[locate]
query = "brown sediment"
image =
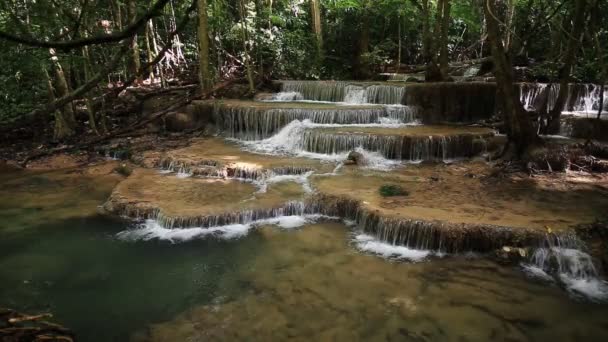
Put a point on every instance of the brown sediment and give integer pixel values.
(313, 276)
(470, 193)
(56, 195)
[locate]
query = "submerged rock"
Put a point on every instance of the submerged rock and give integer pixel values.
(263, 97)
(512, 255)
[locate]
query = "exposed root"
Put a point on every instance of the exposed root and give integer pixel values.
(18, 327)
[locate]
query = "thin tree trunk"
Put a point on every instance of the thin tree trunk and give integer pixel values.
(88, 72)
(133, 62)
(149, 53)
(203, 46)
(159, 66)
(517, 122)
(315, 12)
(426, 32)
(574, 42)
(443, 50)
(599, 111)
(245, 38)
(399, 43)
(361, 64)
(88, 102)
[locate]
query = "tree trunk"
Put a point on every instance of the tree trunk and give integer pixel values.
(61, 129)
(159, 66)
(509, 24)
(62, 88)
(245, 38)
(434, 72)
(426, 32)
(133, 62)
(574, 42)
(203, 47)
(443, 50)
(517, 122)
(149, 53)
(88, 101)
(361, 63)
(398, 44)
(315, 12)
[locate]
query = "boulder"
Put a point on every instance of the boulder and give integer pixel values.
(355, 158)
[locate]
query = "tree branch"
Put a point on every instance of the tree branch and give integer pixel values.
(83, 89)
(161, 54)
(128, 32)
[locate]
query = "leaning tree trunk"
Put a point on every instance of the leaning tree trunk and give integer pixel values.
(203, 47)
(517, 122)
(61, 129)
(62, 88)
(574, 42)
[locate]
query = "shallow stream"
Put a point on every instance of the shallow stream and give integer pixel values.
(304, 281)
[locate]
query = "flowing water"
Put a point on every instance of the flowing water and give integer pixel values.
(290, 277)
(583, 99)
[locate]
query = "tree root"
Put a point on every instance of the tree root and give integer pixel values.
(17, 327)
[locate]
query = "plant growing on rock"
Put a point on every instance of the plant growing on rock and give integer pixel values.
(390, 190)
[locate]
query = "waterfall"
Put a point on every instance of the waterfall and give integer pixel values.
(356, 93)
(410, 148)
(316, 90)
(582, 98)
(253, 123)
(562, 259)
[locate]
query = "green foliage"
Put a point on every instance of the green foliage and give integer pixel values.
(390, 190)
(20, 77)
(124, 170)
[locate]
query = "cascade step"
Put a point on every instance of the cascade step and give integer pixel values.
(346, 91)
(198, 202)
(251, 120)
(415, 143)
(215, 157)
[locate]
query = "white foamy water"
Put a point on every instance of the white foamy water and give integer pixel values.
(303, 180)
(369, 244)
(569, 267)
(288, 141)
(287, 96)
(151, 229)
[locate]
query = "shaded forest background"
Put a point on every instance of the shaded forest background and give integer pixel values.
(65, 62)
